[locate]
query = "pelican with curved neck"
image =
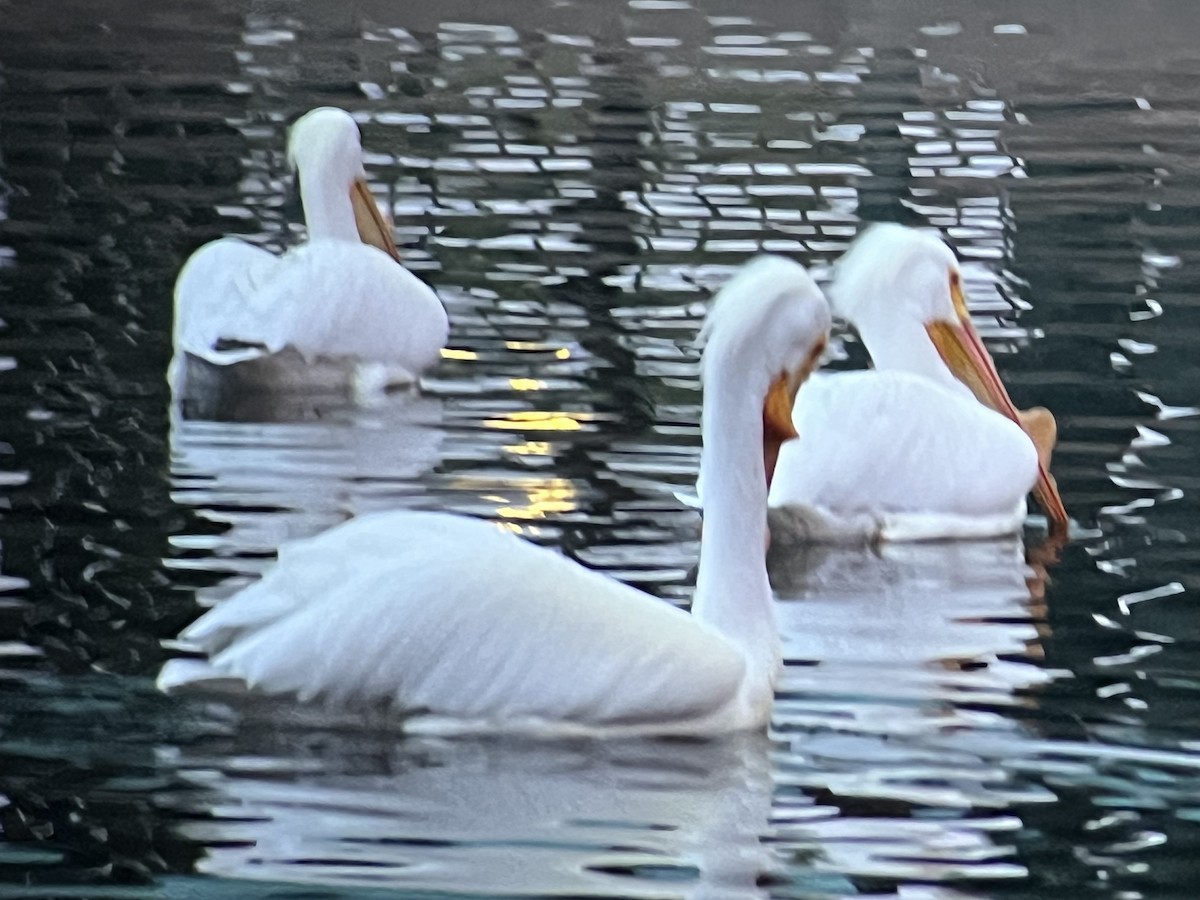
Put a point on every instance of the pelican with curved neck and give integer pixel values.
(341, 297)
(457, 619)
(929, 444)
(324, 150)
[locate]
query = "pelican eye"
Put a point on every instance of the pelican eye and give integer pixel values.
(957, 297)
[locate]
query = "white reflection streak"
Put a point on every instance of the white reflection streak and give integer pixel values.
(904, 643)
(272, 481)
(512, 817)
(923, 622)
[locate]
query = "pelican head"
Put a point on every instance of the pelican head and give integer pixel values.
(325, 149)
(892, 266)
(327, 138)
(894, 278)
(772, 321)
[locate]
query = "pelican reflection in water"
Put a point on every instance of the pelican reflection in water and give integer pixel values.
(503, 815)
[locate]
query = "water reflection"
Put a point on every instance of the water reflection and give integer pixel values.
(893, 653)
(946, 619)
(626, 819)
(573, 178)
(256, 484)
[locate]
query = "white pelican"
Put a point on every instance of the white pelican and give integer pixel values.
(429, 612)
(928, 444)
(340, 297)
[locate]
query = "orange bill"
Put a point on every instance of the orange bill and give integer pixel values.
(963, 351)
(778, 425)
(777, 421)
(373, 226)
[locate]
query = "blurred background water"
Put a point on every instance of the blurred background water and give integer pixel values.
(971, 721)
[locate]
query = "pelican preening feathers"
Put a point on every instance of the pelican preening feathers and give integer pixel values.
(450, 616)
(342, 297)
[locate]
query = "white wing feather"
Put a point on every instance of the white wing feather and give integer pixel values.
(454, 616)
(215, 301)
(881, 446)
(324, 298)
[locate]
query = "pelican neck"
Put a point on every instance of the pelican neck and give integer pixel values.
(898, 343)
(328, 211)
(733, 595)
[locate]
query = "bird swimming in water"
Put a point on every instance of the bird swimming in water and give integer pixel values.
(455, 618)
(925, 445)
(338, 301)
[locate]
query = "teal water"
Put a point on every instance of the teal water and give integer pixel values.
(973, 721)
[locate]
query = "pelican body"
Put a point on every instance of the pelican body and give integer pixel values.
(337, 300)
(927, 444)
(449, 616)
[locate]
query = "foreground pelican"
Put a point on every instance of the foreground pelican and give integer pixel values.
(342, 296)
(928, 444)
(435, 613)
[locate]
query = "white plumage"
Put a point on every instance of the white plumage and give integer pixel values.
(895, 456)
(429, 612)
(340, 296)
(479, 618)
(906, 451)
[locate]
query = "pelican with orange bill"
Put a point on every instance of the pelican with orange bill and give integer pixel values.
(927, 444)
(333, 305)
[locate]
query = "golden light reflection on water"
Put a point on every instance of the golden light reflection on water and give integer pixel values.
(536, 346)
(535, 420)
(528, 531)
(448, 353)
(529, 448)
(556, 496)
(542, 498)
(526, 384)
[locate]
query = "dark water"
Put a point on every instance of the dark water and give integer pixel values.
(972, 721)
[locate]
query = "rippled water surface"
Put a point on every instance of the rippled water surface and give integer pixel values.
(969, 721)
